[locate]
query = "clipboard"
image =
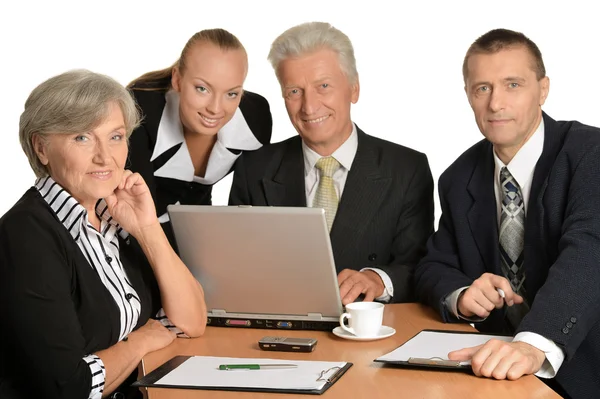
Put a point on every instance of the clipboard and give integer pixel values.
(153, 380)
(430, 348)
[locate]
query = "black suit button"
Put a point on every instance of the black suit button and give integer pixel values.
(372, 257)
(569, 324)
(128, 296)
(565, 330)
(573, 320)
(108, 259)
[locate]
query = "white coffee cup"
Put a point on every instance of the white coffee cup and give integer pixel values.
(364, 318)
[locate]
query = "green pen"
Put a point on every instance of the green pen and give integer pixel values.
(256, 366)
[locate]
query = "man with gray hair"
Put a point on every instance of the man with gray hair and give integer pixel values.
(377, 195)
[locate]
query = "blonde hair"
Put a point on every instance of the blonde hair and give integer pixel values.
(310, 37)
(72, 102)
(219, 37)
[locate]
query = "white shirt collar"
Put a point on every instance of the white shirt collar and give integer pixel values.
(236, 134)
(344, 154)
(522, 165)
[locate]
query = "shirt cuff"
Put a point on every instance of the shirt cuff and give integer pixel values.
(554, 355)
(98, 375)
(388, 290)
(164, 320)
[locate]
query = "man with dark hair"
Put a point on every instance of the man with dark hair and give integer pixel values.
(517, 249)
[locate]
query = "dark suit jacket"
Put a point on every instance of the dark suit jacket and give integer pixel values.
(385, 214)
(561, 251)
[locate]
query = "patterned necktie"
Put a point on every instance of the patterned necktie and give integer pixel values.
(511, 235)
(325, 197)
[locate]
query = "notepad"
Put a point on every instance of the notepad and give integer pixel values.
(202, 372)
(431, 348)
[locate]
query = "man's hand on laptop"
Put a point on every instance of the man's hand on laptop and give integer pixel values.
(353, 283)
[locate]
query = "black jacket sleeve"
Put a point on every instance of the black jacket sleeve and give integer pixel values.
(41, 335)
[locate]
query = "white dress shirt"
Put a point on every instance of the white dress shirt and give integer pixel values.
(521, 167)
(345, 156)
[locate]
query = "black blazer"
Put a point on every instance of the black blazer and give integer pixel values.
(385, 214)
(561, 251)
(150, 98)
(55, 308)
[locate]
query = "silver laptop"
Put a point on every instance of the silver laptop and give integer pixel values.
(260, 267)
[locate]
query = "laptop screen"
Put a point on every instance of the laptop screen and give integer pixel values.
(259, 260)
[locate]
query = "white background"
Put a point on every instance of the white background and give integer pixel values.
(409, 57)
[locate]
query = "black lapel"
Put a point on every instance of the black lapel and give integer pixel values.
(366, 187)
(552, 144)
(483, 214)
(553, 139)
(163, 158)
(285, 185)
(152, 103)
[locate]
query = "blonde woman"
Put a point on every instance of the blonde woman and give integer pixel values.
(197, 120)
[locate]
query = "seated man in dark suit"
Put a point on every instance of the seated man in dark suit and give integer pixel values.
(378, 196)
(517, 248)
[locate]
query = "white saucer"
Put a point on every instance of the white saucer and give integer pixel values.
(384, 332)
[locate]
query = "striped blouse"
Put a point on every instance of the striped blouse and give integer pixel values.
(101, 249)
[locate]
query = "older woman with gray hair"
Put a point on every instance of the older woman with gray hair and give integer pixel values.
(88, 281)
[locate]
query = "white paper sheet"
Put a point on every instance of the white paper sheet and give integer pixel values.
(428, 344)
(203, 371)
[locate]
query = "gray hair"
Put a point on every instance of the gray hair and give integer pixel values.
(72, 102)
(310, 37)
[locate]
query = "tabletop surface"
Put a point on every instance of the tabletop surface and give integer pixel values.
(365, 379)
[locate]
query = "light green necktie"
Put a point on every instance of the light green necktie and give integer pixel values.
(326, 197)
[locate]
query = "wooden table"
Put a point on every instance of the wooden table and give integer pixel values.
(365, 379)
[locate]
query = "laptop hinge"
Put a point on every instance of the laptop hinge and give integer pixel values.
(216, 312)
(317, 316)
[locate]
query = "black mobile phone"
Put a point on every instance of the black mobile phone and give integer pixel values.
(287, 344)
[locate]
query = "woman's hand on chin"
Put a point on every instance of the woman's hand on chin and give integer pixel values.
(131, 204)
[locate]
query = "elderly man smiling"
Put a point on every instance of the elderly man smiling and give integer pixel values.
(377, 195)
